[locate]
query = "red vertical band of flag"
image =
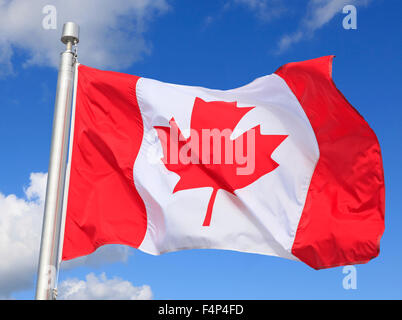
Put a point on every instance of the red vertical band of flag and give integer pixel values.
(343, 218)
(104, 206)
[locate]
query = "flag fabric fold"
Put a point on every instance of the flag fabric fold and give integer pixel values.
(282, 166)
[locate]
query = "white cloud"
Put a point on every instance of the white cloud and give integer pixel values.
(112, 32)
(5, 58)
(20, 229)
(20, 225)
(102, 288)
(37, 187)
(319, 13)
(264, 9)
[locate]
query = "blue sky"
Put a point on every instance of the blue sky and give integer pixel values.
(221, 45)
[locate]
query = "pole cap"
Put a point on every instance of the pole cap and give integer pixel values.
(71, 33)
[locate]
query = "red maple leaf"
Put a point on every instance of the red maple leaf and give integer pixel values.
(201, 161)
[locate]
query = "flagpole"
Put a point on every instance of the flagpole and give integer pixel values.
(48, 258)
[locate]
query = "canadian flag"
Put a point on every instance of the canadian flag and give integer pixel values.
(282, 166)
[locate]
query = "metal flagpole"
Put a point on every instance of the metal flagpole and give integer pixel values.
(48, 260)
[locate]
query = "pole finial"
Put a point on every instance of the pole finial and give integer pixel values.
(71, 33)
